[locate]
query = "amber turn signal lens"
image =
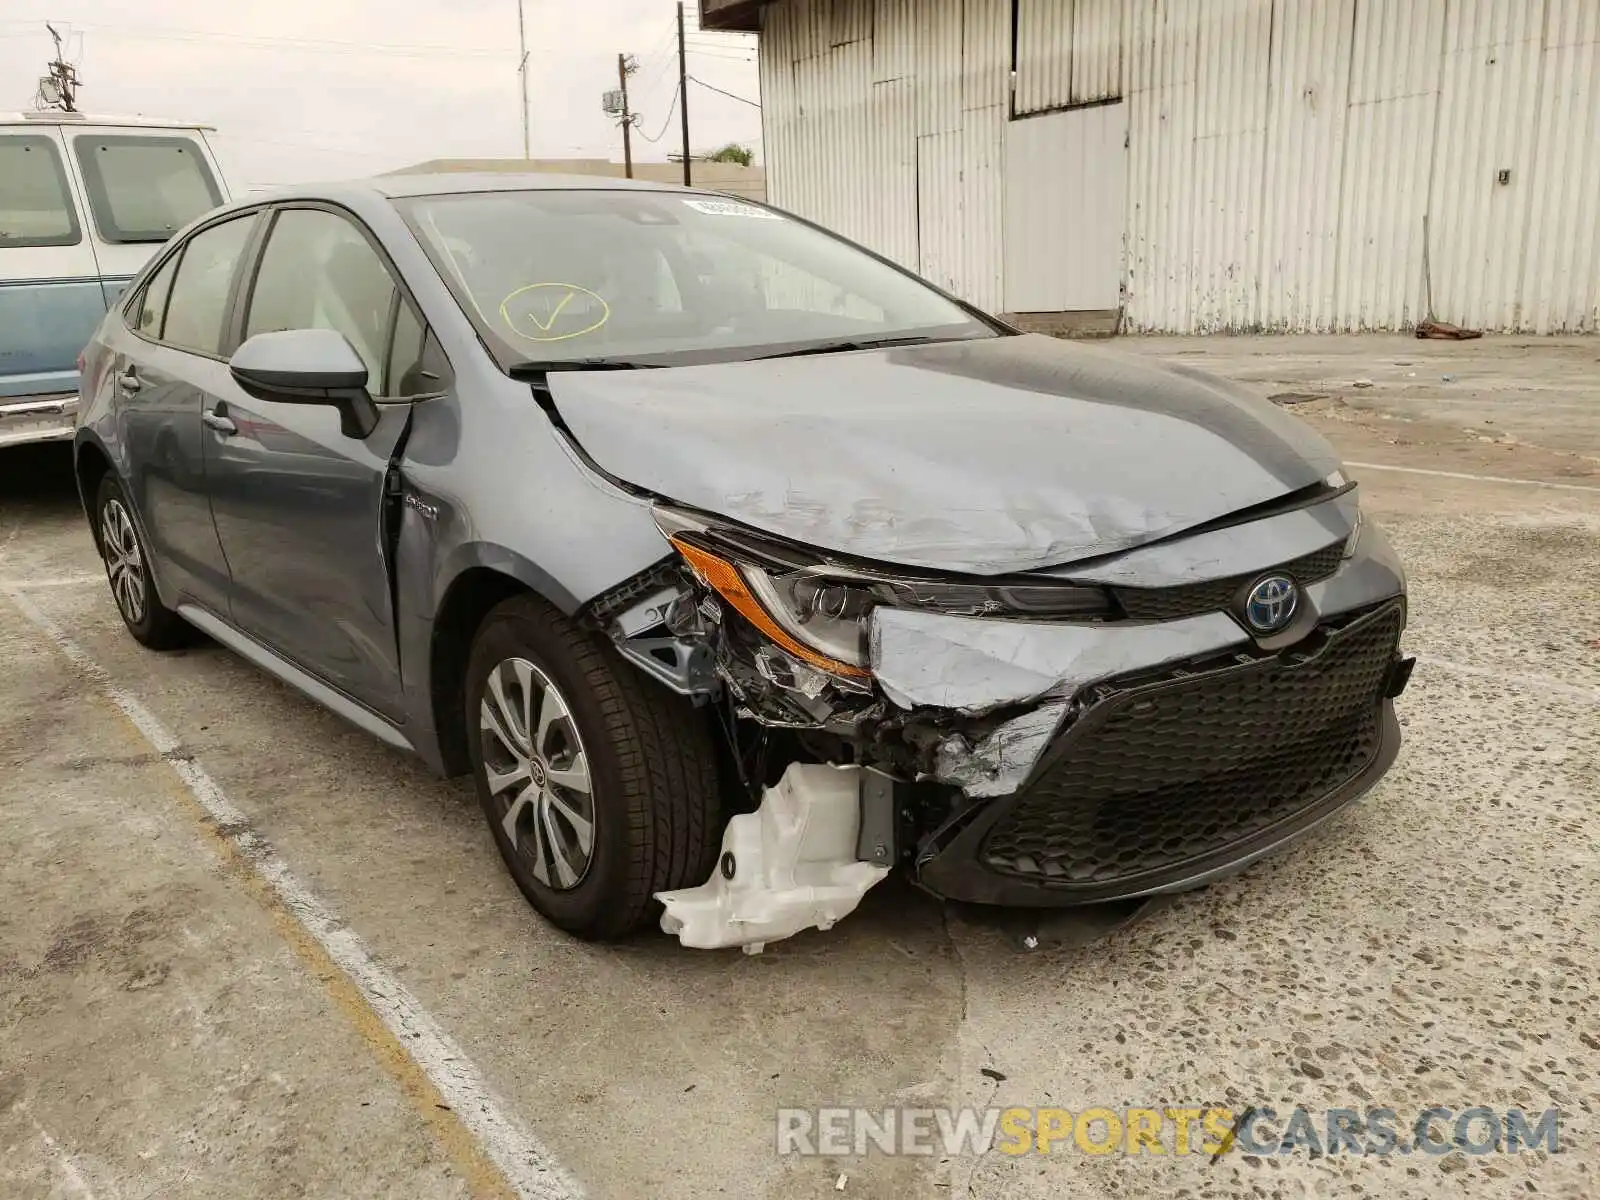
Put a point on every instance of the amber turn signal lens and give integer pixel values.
(724, 578)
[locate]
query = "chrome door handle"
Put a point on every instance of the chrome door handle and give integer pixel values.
(128, 381)
(223, 425)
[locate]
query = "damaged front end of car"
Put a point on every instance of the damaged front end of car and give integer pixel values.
(1064, 737)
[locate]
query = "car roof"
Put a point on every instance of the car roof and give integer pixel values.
(452, 183)
(49, 117)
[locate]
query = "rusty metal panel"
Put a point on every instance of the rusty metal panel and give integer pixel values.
(1310, 81)
(779, 111)
(1164, 46)
(1096, 67)
(985, 52)
(1229, 150)
(1044, 54)
(1484, 159)
(982, 216)
(938, 66)
(939, 209)
(891, 199)
(894, 40)
(851, 21)
(1560, 287)
(1065, 208)
(1389, 140)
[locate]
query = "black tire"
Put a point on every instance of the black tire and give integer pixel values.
(152, 623)
(652, 766)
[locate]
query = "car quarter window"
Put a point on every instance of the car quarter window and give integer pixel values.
(35, 206)
(198, 301)
(147, 311)
(319, 271)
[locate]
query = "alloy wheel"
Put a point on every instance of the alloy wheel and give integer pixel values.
(537, 773)
(124, 561)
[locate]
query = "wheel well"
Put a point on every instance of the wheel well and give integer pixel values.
(90, 467)
(468, 601)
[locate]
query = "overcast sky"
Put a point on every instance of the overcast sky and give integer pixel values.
(310, 89)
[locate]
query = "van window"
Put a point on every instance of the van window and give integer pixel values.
(35, 206)
(144, 189)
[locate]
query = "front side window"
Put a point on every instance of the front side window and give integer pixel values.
(144, 189)
(35, 205)
(565, 275)
(319, 272)
(198, 303)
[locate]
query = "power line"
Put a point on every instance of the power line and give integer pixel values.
(329, 45)
(668, 121)
(720, 92)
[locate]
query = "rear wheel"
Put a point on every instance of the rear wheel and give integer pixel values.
(128, 568)
(600, 787)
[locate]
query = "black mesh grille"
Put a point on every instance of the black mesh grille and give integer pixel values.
(1163, 773)
(1214, 595)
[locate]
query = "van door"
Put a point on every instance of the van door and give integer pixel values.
(141, 186)
(50, 295)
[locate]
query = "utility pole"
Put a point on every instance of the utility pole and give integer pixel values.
(522, 74)
(624, 69)
(58, 87)
(683, 96)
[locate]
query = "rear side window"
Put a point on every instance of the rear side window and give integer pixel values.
(152, 305)
(198, 302)
(144, 189)
(35, 205)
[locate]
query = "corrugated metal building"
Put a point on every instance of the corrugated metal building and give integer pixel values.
(1202, 165)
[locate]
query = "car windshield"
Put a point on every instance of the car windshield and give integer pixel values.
(612, 277)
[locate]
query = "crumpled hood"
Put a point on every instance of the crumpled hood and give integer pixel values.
(988, 456)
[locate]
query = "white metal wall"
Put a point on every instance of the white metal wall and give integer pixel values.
(1282, 154)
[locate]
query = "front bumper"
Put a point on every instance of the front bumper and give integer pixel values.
(37, 419)
(1168, 780)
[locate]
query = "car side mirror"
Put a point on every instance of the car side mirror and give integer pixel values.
(308, 366)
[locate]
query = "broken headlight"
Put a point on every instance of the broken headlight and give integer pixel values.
(819, 612)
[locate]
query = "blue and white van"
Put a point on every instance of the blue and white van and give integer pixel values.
(84, 203)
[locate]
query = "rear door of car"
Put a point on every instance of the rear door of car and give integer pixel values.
(167, 364)
(50, 296)
(300, 505)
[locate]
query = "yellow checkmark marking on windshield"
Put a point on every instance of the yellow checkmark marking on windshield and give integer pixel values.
(540, 331)
(544, 326)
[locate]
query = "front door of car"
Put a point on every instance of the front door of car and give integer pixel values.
(166, 367)
(299, 505)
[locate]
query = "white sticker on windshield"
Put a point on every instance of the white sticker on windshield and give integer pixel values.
(731, 208)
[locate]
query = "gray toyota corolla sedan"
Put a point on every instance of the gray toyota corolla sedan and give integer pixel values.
(738, 565)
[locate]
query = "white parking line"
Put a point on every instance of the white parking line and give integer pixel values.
(526, 1165)
(1566, 487)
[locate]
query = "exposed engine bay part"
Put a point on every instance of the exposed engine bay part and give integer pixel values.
(791, 865)
(1001, 761)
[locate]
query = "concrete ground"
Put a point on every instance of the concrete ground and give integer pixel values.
(172, 1026)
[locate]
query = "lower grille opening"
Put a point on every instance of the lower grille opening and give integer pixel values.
(1163, 774)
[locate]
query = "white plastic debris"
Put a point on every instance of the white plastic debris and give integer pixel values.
(788, 866)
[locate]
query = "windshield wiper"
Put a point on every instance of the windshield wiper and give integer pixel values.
(862, 344)
(535, 369)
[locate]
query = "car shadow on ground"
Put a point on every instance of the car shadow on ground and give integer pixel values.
(37, 479)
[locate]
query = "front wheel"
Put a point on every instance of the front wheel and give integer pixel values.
(600, 786)
(127, 563)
